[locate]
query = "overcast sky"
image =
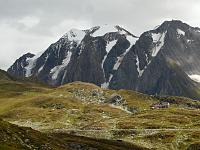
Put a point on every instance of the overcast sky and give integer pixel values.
(32, 25)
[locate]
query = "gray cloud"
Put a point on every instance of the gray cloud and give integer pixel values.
(32, 25)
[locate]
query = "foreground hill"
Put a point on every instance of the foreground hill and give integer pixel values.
(11, 87)
(84, 109)
(162, 61)
(4, 75)
(18, 138)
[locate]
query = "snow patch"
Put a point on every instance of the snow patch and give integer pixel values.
(31, 64)
(147, 59)
(82, 46)
(140, 72)
(180, 32)
(119, 60)
(197, 30)
(189, 41)
(158, 40)
(56, 70)
(195, 77)
(105, 85)
(110, 45)
(41, 68)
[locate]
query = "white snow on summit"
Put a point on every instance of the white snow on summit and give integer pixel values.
(104, 29)
(158, 40)
(195, 77)
(75, 35)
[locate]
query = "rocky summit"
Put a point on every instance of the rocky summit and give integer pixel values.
(162, 61)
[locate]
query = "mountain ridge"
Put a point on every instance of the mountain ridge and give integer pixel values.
(112, 57)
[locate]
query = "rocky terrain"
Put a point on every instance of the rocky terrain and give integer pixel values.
(163, 61)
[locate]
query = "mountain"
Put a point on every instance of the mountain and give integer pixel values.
(163, 61)
(165, 58)
(78, 55)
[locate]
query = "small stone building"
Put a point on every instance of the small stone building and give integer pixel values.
(160, 105)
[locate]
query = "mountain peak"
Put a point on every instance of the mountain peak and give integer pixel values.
(104, 29)
(96, 31)
(175, 24)
(75, 35)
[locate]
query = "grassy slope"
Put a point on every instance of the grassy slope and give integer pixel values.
(4, 75)
(17, 138)
(45, 109)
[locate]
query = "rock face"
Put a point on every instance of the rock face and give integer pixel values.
(163, 61)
